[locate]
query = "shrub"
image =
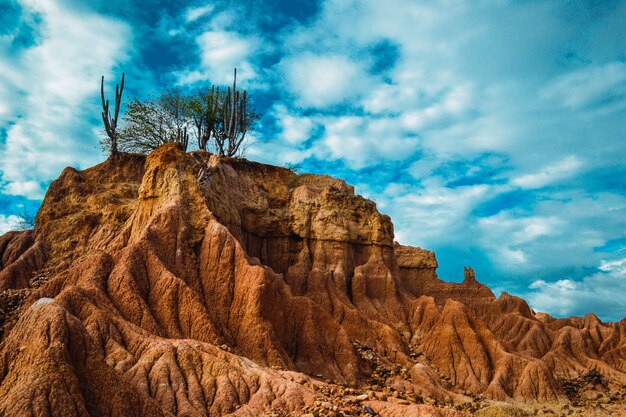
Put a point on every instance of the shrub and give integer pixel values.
(219, 119)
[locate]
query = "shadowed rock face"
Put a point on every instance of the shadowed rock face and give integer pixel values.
(192, 285)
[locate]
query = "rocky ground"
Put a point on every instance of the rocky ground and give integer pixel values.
(185, 284)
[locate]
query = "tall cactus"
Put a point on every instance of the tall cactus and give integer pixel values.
(236, 120)
(233, 106)
(110, 123)
(222, 117)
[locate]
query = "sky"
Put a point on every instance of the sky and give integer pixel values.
(493, 132)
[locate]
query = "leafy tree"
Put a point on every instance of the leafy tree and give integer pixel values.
(151, 123)
(203, 108)
(220, 120)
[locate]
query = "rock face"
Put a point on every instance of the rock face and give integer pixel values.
(187, 284)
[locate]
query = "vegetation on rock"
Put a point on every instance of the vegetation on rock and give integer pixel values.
(219, 119)
(110, 122)
(151, 123)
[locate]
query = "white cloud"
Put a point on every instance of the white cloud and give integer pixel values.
(551, 236)
(513, 256)
(194, 13)
(278, 153)
(618, 265)
(362, 141)
(466, 79)
(589, 86)
(10, 222)
(220, 52)
(511, 239)
(295, 130)
(519, 230)
(560, 233)
(430, 214)
(324, 80)
(223, 49)
(52, 86)
(31, 188)
(453, 104)
(593, 293)
(290, 143)
(563, 169)
(424, 167)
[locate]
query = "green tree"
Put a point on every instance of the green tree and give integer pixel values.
(203, 108)
(151, 123)
(220, 120)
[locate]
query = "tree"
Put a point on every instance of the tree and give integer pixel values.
(220, 120)
(203, 108)
(110, 123)
(151, 123)
(27, 220)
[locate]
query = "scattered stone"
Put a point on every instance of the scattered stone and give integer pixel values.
(369, 410)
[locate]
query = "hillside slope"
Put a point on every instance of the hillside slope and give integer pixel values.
(187, 284)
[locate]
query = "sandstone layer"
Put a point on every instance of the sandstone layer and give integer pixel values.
(187, 284)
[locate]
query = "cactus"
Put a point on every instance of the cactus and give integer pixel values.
(182, 138)
(233, 106)
(234, 121)
(110, 123)
(222, 117)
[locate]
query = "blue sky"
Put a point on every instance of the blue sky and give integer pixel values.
(493, 132)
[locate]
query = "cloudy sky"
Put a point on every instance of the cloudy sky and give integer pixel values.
(492, 131)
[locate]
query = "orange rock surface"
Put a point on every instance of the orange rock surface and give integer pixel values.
(187, 284)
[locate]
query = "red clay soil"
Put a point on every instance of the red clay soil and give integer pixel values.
(187, 284)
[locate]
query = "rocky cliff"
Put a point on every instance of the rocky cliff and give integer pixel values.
(187, 284)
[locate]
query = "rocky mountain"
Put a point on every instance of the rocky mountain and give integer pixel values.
(187, 284)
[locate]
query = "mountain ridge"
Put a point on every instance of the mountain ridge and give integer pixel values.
(197, 284)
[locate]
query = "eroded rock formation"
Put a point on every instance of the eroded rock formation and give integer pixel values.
(192, 285)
